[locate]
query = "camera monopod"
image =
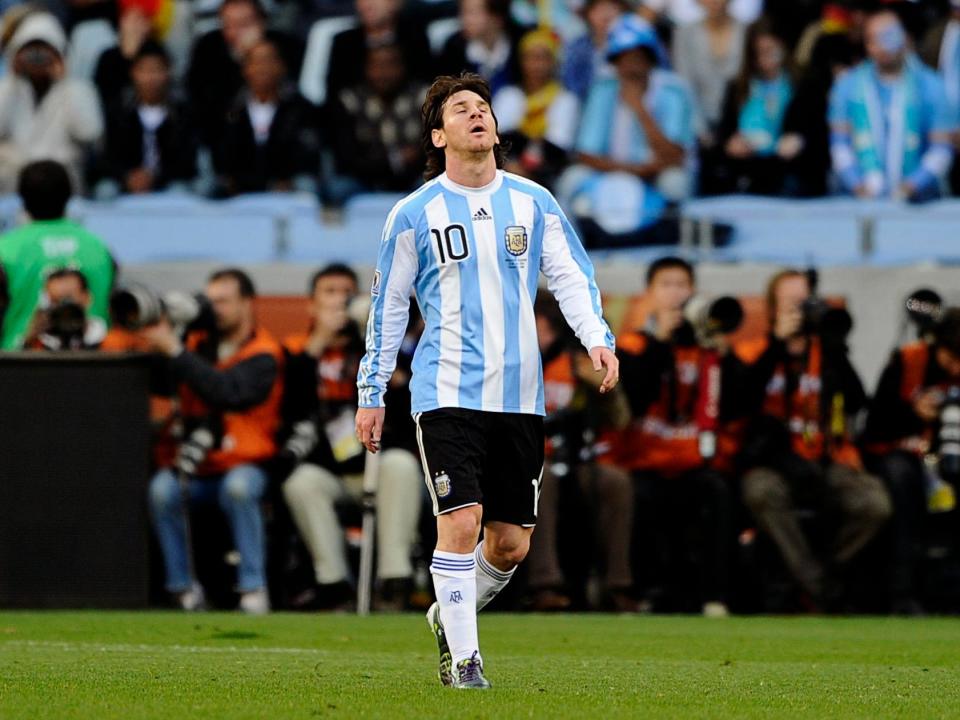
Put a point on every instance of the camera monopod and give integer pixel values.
(371, 478)
(192, 452)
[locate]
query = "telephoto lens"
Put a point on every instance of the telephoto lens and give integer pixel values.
(135, 307)
(949, 435)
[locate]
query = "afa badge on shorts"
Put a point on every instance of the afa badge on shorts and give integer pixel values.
(515, 239)
(442, 484)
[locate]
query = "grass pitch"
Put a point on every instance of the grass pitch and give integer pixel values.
(165, 665)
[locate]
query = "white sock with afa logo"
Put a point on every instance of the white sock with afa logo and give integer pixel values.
(455, 582)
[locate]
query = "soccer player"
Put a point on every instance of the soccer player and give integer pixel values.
(471, 242)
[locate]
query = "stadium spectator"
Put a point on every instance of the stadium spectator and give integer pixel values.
(376, 126)
(230, 388)
(708, 54)
(62, 321)
(44, 113)
(270, 138)
(381, 23)
(215, 75)
(321, 385)
(48, 243)
(832, 56)
(754, 142)
(112, 75)
(635, 138)
(798, 451)
(941, 50)
(843, 20)
(890, 120)
(681, 491)
(901, 436)
(680, 12)
(575, 411)
(485, 45)
(537, 119)
(585, 57)
(150, 142)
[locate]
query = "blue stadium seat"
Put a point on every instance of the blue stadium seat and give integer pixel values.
(143, 237)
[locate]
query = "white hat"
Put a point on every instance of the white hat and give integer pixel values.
(38, 27)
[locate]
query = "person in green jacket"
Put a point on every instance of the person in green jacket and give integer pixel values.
(50, 242)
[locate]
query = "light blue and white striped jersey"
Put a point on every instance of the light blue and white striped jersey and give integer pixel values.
(473, 257)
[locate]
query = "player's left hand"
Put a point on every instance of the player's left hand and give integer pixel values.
(604, 357)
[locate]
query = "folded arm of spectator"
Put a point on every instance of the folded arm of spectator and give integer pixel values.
(244, 385)
(934, 165)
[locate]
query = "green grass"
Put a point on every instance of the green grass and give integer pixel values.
(165, 665)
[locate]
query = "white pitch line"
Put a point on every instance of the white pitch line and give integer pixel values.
(141, 647)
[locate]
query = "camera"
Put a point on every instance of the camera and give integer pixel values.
(67, 323)
(712, 319)
(924, 309)
(949, 435)
(831, 324)
(136, 306)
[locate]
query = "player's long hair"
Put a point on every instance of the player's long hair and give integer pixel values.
(432, 113)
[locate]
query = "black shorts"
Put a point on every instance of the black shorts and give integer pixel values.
(491, 459)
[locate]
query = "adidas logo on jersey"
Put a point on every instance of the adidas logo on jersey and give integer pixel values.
(482, 214)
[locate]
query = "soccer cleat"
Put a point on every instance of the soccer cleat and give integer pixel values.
(446, 659)
(469, 675)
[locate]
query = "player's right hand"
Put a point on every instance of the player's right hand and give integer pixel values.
(369, 426)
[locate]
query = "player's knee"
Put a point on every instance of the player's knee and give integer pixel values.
(459, 529)
(509, 551)
(164, 491)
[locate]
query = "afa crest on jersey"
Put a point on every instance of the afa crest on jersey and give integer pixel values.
(442, 483)
(515, 238)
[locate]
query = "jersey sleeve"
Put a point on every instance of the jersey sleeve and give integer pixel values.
(393, 281)
(570, 278)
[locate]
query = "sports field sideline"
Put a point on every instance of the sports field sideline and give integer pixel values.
(164, 665)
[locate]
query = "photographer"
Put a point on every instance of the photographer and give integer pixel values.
(29, 253)
(61, 322)
(320, 404)
(672, 444)
(903, 439)
(576, 411)
(799, 450)
(230, 388)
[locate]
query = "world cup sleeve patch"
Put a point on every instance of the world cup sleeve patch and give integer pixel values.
(515, 239)
(375, 287)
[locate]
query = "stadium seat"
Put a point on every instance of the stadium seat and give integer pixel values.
(313, 75)
(88, 40)
(142, 237)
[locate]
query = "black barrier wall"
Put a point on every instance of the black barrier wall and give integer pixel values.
(74, 464)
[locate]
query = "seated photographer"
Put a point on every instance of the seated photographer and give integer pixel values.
(230, 387)
(29, 253)
(798, 452)
(672, 444)
(61, 322)
(575, 411)
(319, 413)
(904, 439)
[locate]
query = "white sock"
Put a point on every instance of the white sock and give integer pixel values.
(490, 581)
(455, 582)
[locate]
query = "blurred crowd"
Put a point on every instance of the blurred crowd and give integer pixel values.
(731, 470)
(623, 107)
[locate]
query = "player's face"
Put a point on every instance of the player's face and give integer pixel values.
(670, 289)
(468, 125)
(230, 308)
